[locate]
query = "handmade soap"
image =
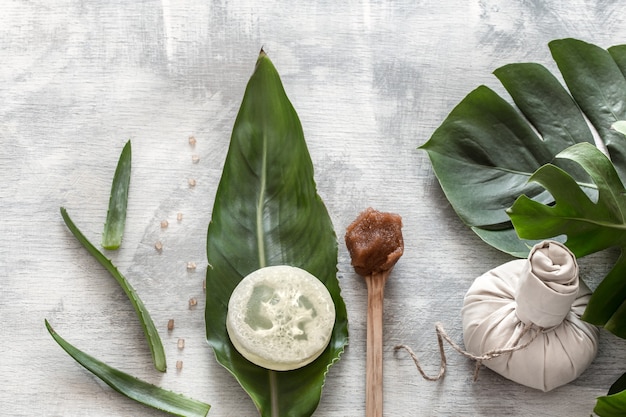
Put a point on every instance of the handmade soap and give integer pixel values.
(374, 240)
(540, 297)
(280, 317)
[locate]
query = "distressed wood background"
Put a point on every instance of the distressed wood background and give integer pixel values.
(371, 80)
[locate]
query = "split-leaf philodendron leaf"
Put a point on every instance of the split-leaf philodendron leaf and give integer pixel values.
(614, 403)
(486, 150)
(489, 156)
(590, 226)
(485, 153)
(267, 212)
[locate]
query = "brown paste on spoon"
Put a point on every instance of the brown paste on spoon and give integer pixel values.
(374, 240)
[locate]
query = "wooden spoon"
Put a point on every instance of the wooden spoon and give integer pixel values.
(375, 243)
(374, 364)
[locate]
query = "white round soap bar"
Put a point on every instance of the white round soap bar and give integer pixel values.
(280, 317)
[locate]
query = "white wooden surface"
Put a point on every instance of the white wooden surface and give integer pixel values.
(370, 80)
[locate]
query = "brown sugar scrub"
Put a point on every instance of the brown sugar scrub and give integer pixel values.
(375, 243)
(280, 317)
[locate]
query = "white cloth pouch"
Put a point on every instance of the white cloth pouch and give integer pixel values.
(543, 291)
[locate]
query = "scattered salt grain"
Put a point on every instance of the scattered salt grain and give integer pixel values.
(179, 217)
(191, 266)
(191, 182)
(158, 246)
(192, 302)
(181, 343)
(179, 365)
(195, 159)
(164, 224)
(192, 141)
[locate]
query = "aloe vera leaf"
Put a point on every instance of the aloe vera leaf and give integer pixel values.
(132, 387)
(116, 215)
(152, 335)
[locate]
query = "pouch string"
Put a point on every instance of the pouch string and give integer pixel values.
(479, 359)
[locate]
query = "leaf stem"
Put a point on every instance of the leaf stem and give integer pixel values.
(274, 393)
(259, 208)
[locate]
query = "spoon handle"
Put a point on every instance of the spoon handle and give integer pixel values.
(374, 365)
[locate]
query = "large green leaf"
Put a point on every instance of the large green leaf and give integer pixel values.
(267, 212)
(132, 387)
(486, 150)
(590, 226)
(596, 82)
(614, 403)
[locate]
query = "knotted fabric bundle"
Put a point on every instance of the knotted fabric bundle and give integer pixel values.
(535, 303)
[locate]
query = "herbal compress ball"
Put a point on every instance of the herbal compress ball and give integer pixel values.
(280, 317)
(545, 293)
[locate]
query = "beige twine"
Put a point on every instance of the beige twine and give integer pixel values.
(442, 335)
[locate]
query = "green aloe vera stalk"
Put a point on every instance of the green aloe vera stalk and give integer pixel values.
(116, 216)
(154, 341)
(132, 387)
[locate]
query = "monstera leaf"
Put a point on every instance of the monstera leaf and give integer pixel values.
(267, 212)
(486, 150)
(614, 403)
(590, 226)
